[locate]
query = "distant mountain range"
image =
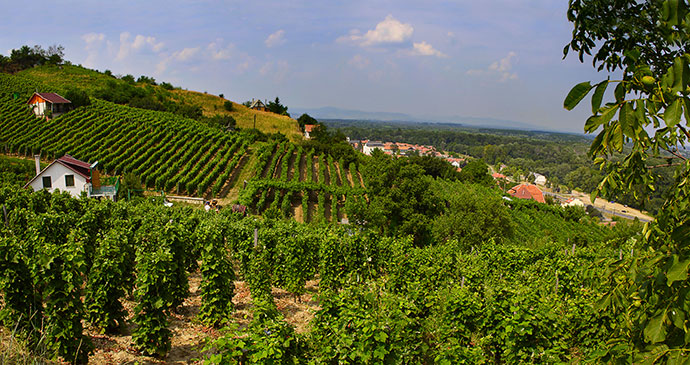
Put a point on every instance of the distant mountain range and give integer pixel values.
(330, 112)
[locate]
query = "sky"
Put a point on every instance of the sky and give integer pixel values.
(499, 59)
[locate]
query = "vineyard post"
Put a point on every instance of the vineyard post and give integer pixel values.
(620, 254)
(256, 237)
(573, 251)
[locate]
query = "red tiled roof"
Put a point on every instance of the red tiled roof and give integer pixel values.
(309, 127)
(53, 98)
(83, 168)
(496, 175)
(527, 191)
(73, 161)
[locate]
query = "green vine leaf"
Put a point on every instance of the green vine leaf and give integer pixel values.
(576, 95)
(655, 330)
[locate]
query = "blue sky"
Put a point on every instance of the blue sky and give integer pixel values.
(493, 58)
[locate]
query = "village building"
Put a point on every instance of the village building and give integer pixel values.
(73, 176)
(258, 105)
(39, 103)
(370, 146)
(355, 143)
(573, 202)
(539, 179)
(527, 191)
(308, 128)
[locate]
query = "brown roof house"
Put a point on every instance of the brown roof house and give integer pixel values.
(527, 191)
(258, 105)
(73, 176)
(39, 103)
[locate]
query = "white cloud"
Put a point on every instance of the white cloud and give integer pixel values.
(218, 52)
(93, 38)
(139, 43)
(388, 31)
(359, 62)
(275, 39)
(501, 68)
(278, 70)
(425, 49)
(93, 42)
(185, 53)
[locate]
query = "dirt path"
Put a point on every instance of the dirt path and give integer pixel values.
(327, 207)
(279, 167)
(312, 206)
(359, 177)
(295, 204)
(269, 163)
(315, 169)
(326, 173)
(188, 335)
(234, 176)
(302, 169)
(348, 175)
(298, 210)
(291, 166)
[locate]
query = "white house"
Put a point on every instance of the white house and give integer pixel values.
(573, 202)
(308, 128)
(539, 179)
(71, 175)
(40, 102)
(370, 146)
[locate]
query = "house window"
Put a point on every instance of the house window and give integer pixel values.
(69, 180)
(46, 182)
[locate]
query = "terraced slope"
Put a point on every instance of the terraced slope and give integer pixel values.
(61, 78)
(167, 151)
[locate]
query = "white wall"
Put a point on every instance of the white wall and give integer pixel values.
(57, 173)
(39, 108)
(367, 150)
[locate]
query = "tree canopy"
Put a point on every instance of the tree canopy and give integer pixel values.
(647, 41)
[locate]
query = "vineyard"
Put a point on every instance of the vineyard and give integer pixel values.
(166, 151)
(286, 179)
(68, 266)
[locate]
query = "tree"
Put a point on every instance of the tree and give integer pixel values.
(476, 171)
(227, 105)
(648, 42)
(277, 107)
(78, 97)
(305, 119)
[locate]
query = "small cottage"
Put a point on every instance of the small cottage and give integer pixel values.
(308, 128)
(258, 105)
(39, 103)
(73, 176)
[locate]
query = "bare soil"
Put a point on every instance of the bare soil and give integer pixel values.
(302, 169)
(188, 334)
(298, 210)
(315, 168)
(269, 163)
(291, 166)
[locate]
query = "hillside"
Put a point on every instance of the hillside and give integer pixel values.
(61, 78)
(166, 151)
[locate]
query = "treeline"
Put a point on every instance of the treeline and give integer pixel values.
(562, 158)
(27, 57)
